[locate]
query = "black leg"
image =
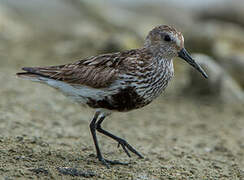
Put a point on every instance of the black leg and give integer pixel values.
(120, 141)
(94, 136)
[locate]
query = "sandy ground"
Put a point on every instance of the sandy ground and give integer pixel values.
(43, 135)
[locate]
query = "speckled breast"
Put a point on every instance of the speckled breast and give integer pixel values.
(138, 91)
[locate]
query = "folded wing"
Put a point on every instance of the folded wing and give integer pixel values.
(96, 72)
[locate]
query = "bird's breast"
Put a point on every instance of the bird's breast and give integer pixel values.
(135, 89)
(149, 83)
(125, 99)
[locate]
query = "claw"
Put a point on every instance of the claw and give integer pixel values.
(109, 162)
(126, 151)
(127, 147)
(104, 162)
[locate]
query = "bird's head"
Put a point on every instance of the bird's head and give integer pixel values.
(167, 42)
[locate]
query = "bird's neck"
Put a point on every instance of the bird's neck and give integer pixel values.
(163, 61)
(161, 52)
(160, 59)
(159, 73)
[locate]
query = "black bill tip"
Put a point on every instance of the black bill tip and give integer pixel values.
(187, 57)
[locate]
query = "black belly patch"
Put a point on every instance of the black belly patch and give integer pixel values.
(125, 100)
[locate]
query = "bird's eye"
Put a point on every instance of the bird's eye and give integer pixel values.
(167, 38)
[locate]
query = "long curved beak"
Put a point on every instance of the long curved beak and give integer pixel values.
(187, 57)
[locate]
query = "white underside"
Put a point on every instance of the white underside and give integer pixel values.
(79, 93)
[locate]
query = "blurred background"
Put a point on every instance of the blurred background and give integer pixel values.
(53, 32)
(43, 32)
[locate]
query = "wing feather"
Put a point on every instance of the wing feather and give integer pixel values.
(96, 71)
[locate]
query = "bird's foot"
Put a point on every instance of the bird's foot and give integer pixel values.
(126, 147)
(107, 163)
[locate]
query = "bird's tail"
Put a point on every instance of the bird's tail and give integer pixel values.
(31, 73)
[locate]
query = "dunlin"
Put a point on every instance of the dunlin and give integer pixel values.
(120, 81)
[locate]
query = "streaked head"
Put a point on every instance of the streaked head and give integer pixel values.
(167, 42)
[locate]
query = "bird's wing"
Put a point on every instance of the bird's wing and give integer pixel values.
(96, 71)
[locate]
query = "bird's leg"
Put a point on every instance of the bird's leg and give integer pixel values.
(120, 141)
(94, 136)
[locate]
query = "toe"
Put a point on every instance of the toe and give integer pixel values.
(104, 162)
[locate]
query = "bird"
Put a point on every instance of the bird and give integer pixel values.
(119, 81)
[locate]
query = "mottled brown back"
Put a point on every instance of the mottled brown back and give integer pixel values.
(96, 71)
